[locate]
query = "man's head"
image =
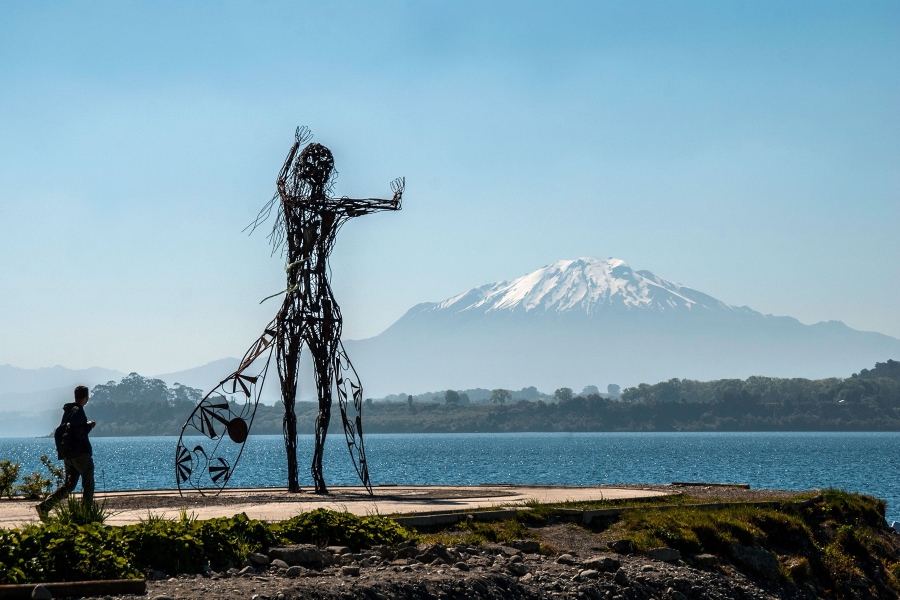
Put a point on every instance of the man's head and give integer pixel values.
(81, 395)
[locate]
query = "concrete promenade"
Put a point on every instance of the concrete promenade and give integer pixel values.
(275, 504)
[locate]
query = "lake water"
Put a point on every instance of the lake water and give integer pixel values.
(859, 462)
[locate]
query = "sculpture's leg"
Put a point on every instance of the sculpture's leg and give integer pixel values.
(322, 360)
(290, 344)
(349, 390)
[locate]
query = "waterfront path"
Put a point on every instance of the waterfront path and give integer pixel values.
(276, 504)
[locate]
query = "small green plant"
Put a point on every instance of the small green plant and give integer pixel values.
(34, 486)
(9, 473)
(56, 472)
(76, 512)
(185, 517)
(153, 519)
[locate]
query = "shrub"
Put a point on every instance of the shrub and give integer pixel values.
(57, 473)
(34, 486)
(327, 527)
(9, 473)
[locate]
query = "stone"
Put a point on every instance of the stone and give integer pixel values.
(462, 566)
(278, 563)
(601, 563)
(589, 574)
(622, 546)
(675, 595)
(155, 575)
(756, 559)
(705, 560)
(350, 571)
(526, 546)
(338, 549)
(246, 572)
(294, 571)
(565, 559)
(895, 526)
(516, 568)
(526, 578)
(621, 577)
(257, 559)
(664, 554)
(305, 555)
(41, 593)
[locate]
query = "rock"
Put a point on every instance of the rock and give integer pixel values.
(675, 594)
(622, 546)
(257, 559)
(247, 572)
(294, 571)
(565, 559)
(305, 555)
(601, 563)
(246, 563)
(621, 577)
(526, 578)
(279, 564)
(462, 566)
(526, 546)
(705, 560)
(154, 575)
(385, 552)
(41, 593)
(589, 574)
(664, 554)
(762, 561)
(350, 571)
(895, 526)
(516, 568)
(338, 549)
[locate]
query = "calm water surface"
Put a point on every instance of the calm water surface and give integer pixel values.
(859, 462)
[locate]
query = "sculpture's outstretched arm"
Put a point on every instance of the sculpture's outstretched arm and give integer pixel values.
(352, 207)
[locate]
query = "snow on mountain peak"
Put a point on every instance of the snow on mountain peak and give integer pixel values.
(582, 285)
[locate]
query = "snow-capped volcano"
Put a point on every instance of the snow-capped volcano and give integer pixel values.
(582, 285)
(589, 321)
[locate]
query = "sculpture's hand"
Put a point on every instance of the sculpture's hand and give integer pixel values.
(398, 185)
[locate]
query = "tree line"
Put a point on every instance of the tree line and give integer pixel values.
(867, 401)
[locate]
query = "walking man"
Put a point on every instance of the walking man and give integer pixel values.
(75, 451)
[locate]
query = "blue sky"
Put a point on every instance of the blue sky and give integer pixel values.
(747, 150)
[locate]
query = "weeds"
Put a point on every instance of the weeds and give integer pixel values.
(75, 512)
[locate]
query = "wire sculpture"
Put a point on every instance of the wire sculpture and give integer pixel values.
(306, 223)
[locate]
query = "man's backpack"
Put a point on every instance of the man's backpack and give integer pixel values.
(63, 438)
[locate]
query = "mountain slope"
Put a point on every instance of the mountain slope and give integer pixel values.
(588, 321)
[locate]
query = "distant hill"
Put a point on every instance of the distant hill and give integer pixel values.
(17, 379)
(589, 321)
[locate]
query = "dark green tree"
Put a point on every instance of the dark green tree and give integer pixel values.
(500, 396)
(563, 394)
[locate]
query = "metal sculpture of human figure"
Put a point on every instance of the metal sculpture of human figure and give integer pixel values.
(306, 223)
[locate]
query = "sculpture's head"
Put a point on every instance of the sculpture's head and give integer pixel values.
(315, 165)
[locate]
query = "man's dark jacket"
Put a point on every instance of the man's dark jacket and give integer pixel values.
(79, 444)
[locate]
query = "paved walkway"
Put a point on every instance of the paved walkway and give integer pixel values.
(275, 504)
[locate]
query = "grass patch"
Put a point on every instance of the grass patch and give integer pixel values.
(74, 544)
